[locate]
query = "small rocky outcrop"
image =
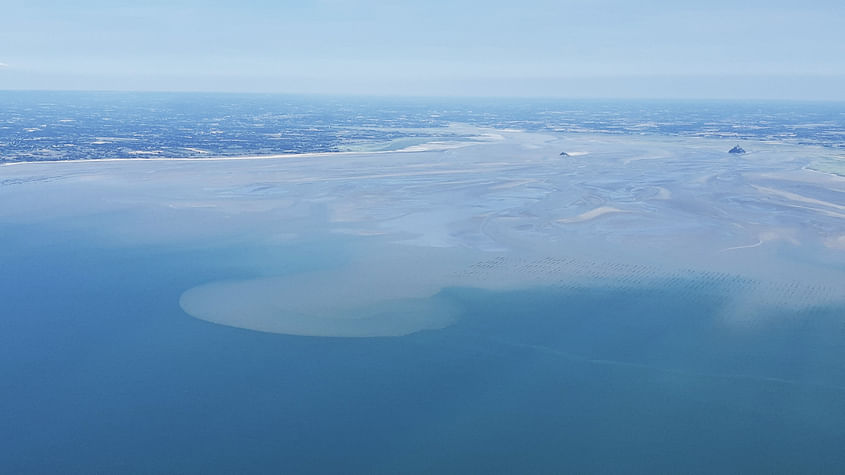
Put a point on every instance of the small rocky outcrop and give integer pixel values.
(736, 149)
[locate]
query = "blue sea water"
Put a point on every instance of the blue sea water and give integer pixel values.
(103, 373)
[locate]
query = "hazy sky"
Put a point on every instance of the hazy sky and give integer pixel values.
(604, 48)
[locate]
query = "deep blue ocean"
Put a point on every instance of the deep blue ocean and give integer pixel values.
(103, 373)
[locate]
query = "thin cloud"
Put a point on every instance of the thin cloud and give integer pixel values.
(3, 65)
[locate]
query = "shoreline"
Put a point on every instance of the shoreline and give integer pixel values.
(211, 159)
(433, 146)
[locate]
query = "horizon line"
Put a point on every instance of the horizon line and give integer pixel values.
(423, 96)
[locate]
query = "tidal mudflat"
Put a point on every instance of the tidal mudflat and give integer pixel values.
(416, 221)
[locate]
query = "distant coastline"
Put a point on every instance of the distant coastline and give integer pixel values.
(50, 126)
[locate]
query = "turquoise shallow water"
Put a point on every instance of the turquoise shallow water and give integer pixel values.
(102, 372)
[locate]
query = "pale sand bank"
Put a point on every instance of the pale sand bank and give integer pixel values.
(495, 215)
(592, 214)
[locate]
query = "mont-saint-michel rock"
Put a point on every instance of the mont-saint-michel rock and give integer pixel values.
(736, 149)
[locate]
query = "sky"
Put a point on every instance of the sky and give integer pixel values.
(568, 48)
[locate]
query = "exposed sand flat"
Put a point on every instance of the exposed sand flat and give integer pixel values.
(434, 146)
(199, 159)
(493, 215)
(796, 197)
(663, 194)
(513, 184)
(352, 177)
(765, 237)
(592, 214)
(734, 248)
